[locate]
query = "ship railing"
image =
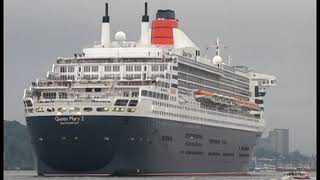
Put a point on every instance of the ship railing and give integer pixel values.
(230, 114)
(99, 99)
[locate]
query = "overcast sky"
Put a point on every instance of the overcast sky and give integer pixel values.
(270, 36)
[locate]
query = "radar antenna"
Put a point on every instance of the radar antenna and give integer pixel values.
(218, 47)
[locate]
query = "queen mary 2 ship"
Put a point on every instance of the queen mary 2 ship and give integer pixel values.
(154, 106)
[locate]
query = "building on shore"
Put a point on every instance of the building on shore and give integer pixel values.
(277, 141)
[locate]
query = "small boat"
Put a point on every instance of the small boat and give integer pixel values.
(296, 175)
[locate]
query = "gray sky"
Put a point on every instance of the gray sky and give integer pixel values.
(270, 36)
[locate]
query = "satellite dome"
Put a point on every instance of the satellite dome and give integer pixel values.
(217, 59)
(120, 36)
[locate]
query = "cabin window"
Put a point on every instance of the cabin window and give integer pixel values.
(116, 68)
(214, 154)
(107, 68)
(154, 94)
(166, 138)
(86, 69)
(137, 68)
(228, 154)
(163, 67)
(97, 89)
(63, 95)
(88, 89)
(95, 68)
(149, 93)
(144, 93)
(154, 68)
(214, 141)
(49, 95)
(94, 76)
(174, 77)
(29, 103)
(166, 97)
(175, 68)
(135, 94)
(243, 155)
(129, 68)
(71, 69)
(126, 94)
(63, 69)
(174, 85)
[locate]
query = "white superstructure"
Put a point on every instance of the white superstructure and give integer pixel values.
(161, 75)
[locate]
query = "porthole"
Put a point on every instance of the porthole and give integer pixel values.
(50, 109)
(87, 109)
(102, 109)
(62, 110)
(74, 109)
(39, 109)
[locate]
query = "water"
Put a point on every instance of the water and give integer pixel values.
(265, 175)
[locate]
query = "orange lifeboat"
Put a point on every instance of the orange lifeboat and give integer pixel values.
(247, 103)
(203, 92)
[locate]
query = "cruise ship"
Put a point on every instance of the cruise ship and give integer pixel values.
(152, 107)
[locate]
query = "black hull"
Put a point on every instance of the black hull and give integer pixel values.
(114, 145)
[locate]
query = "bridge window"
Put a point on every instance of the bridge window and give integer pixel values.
(133, 103)
(121, 102)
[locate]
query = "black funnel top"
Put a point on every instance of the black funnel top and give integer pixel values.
(166, 14)
(105, 18)
(145, 17)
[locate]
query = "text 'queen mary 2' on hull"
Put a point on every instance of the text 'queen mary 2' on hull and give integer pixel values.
(150, 107)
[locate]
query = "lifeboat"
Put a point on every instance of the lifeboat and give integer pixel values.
(203, 92)
(246, 103)
(296, 175)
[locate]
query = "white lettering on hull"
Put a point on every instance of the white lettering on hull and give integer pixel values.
(68, 120)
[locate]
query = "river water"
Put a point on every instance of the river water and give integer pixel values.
(265, 175)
